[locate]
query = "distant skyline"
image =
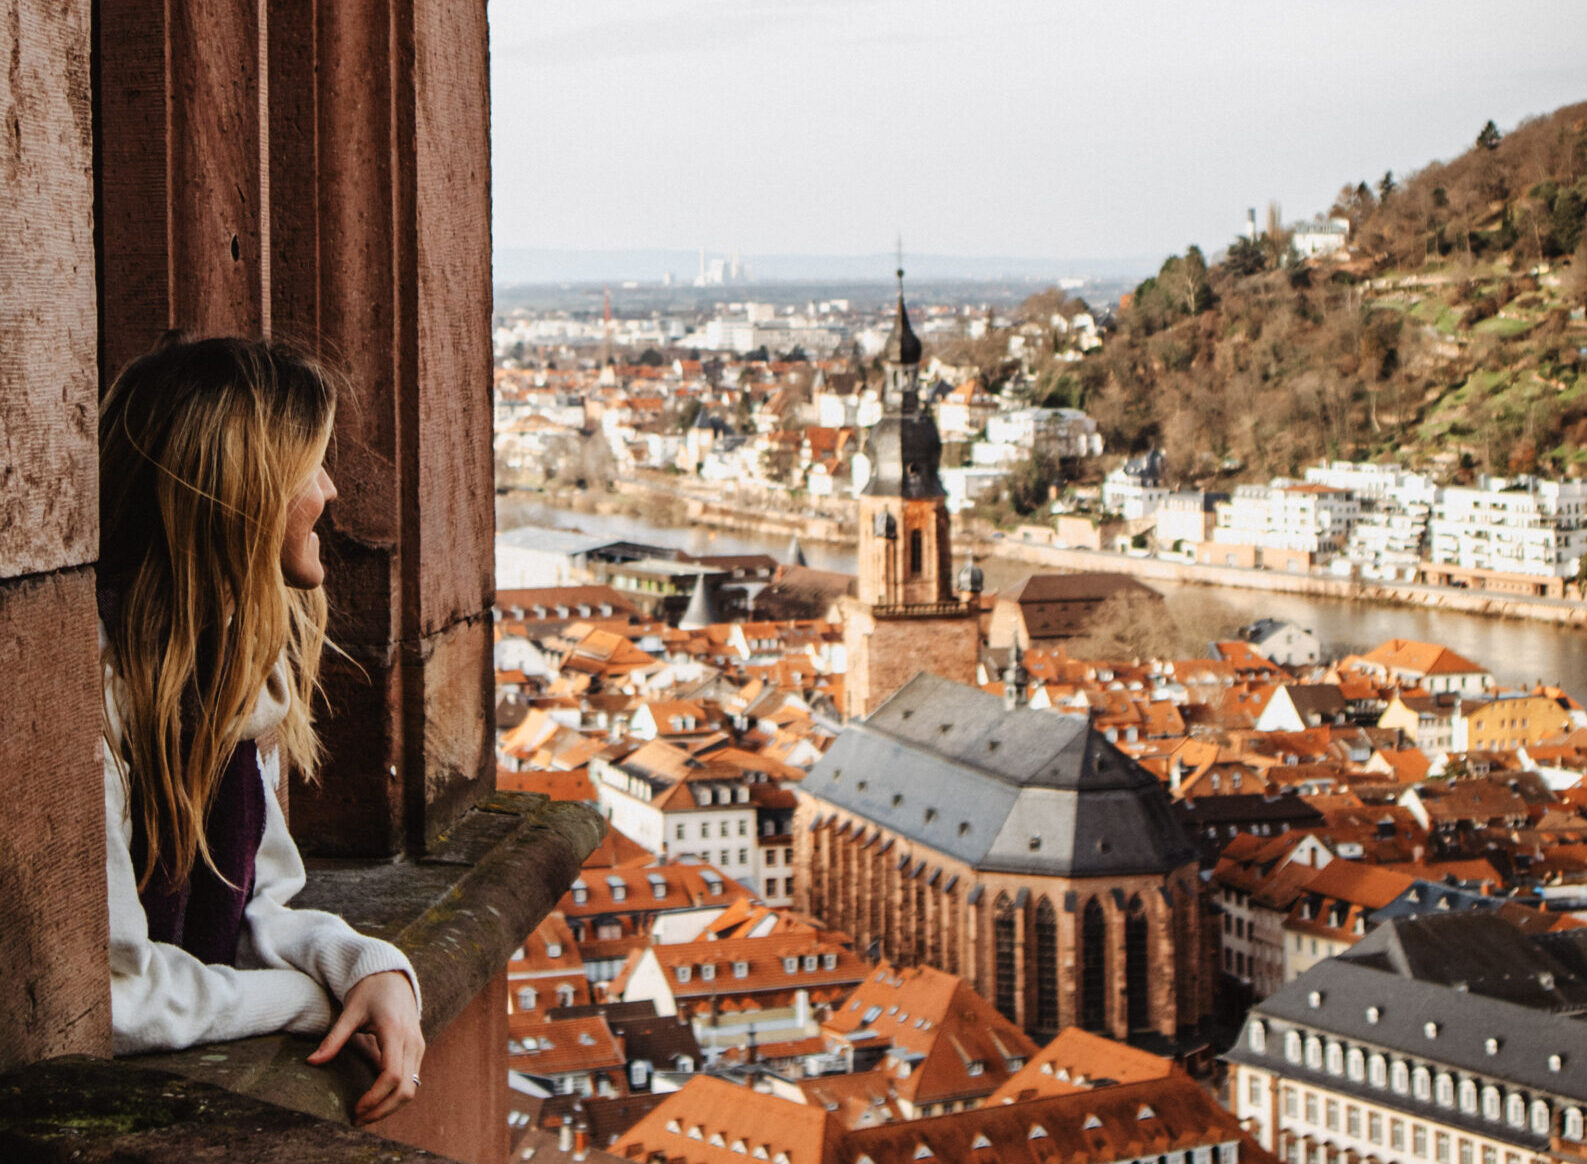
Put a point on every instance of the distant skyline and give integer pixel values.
(1042, 129)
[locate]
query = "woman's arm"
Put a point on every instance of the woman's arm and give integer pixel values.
(320, 944)
(161, 997)
(373, 979)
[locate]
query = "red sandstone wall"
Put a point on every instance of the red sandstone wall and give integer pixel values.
(884, 654)
(52, 945)
(461, 1109)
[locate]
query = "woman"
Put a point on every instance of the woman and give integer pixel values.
(212, 621)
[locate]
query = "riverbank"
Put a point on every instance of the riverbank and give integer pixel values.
(643, 498)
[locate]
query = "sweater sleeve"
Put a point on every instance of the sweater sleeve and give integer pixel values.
(320, 944)
(161, 997)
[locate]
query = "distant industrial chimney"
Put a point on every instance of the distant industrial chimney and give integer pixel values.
(1250, 224)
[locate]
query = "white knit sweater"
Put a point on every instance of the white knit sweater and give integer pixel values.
(161, 997)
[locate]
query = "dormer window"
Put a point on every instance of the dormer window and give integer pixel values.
(829, 961)
(740, 969)
(810, 962)
(553, 949)
(581, 893)
(682, 973)
(790, 964)
(708, 972)
(975, 1067)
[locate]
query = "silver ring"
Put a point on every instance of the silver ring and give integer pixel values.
(415, 1079)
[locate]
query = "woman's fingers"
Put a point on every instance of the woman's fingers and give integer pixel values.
(394, 1086)
(344, 1026)
(382, 1019)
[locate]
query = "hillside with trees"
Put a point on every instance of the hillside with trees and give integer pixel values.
(1448, 335)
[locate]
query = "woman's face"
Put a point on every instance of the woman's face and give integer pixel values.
(300, 552)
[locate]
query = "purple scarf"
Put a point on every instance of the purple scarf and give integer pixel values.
(204, 914)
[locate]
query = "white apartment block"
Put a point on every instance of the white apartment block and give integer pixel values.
(1186, 517)
(1286, 515)
(1372, 484)
(1519, 525)
(1063, 432)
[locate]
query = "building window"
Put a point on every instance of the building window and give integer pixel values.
(1331, 1115)
(1516, 1111)
(1572, 1126)
(1093, 968)
(1377, 1071)
(1540, 1118)
(1467, 1155)
(1441, 1147)
(678, 832)
(1399, 1076)
(1003, 957)
(1256, 1037)
(917, 553)
(1397, 1135)
(1289, 1102)
(1292, 1046)
(1353, 1121)
(1374, 1127)
(1419, 1141)
(1336, 1059)
(1137, 973)
(743, 856)
(1468, 1096)
(1314, 1053)
(1356, 1064)
(1422, 1084)
(787, 886)
(771, 887)
(1046, 970)
(1444, 1090)
(1253, 1090)
(1490, 1154)
(743, 828)
(1492, 1104)
(1311, 1108)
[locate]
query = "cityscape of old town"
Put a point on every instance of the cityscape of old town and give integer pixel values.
(904, 582)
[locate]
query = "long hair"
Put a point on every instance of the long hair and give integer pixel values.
(203, 446)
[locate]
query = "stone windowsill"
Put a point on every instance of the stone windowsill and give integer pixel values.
(459, 912)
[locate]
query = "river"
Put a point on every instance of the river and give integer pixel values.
(1518, 652)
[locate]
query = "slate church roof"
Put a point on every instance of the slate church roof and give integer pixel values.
(1015, 791)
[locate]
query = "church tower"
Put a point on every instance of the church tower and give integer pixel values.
(906, 617)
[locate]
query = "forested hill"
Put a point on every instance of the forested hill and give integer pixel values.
(1445, 338)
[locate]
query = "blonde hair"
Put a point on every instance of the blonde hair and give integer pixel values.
(203, 446)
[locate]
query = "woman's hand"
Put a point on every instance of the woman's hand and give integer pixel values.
(380, 1008)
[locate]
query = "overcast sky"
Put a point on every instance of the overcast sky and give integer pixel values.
(1039, 128)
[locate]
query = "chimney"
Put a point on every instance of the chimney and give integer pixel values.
(565, 1136)
(581, 1142)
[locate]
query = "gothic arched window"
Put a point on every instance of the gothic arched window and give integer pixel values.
(1046, 969)
(1003, 957)
(1137, 972)
(1093, 967)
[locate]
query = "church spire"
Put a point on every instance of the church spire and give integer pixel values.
(902, 349)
